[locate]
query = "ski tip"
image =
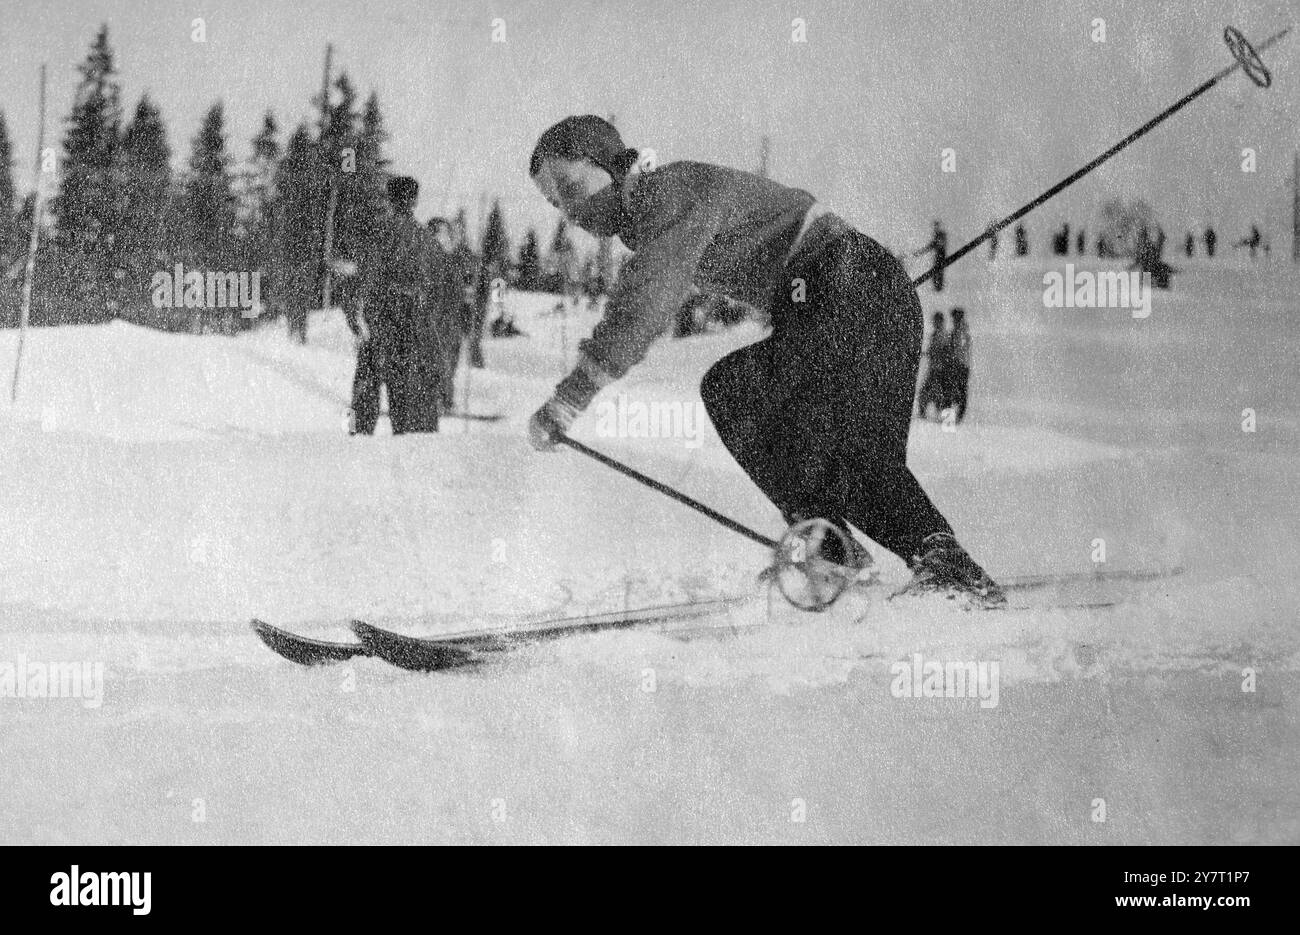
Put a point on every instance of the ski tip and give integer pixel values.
(301, 649)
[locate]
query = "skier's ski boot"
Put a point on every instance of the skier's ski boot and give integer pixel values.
(945, 568)
(816, 561)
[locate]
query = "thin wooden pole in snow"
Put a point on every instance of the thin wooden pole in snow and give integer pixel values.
(32, 242)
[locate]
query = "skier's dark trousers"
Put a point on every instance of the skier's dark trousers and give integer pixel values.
(818, 413)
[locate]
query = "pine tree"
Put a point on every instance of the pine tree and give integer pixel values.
(11, 242)
(560, 260)
(372, 168)
(208, 204)
(362, 182)
(10, 246)
(299, 226)
(258, 208)
(147, 237)
(89, 204)
(495, 258)
(529, 263)
(338, 146)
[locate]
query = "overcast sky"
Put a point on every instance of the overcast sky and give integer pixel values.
(858, 114)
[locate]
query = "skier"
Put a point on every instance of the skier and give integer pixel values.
(817, 413)
(934, 389)
(391, 323)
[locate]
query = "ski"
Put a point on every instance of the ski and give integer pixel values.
(302, 649)
(474, 416)
(469, 647)
(463, 415)
(1050, 580)
(432, 653)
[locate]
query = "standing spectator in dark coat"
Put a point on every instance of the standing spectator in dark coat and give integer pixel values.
(392, 324)
(938, 353)
(1211, 238)
(467, 271)
(1022, 241)
(958, 368)
(455, 310)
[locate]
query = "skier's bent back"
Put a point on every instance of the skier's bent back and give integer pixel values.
(818, 413)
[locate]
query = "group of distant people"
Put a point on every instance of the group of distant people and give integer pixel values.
(1150, 248)
(947, 368)
(416, 308)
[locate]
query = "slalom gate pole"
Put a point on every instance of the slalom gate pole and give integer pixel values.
(1247, 57)
(33, 242)
(668, 492)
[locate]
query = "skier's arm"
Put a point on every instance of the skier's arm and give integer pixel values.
(651, 288)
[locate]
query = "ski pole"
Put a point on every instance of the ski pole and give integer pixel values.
(1246, 56)
(669, 492)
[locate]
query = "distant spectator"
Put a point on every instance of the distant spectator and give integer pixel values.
(937, 357)
(1061, 241)
(389, 317)
(938, 245)
(959, 363)
(1189, 245)
(451, 312)
(1252, 241)
(1211, 239)
(1149, 257)
(1022, 241)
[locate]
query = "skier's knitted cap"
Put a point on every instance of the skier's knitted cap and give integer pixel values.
(584, 137)
(403, 188)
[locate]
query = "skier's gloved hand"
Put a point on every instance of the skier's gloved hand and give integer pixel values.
(572, 395)
(550, 423)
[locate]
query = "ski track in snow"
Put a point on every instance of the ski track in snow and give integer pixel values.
(161, 489)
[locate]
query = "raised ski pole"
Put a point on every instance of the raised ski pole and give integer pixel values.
(1247, 58)
(669, 492)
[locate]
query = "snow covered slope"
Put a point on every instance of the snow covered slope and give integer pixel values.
(158, 490)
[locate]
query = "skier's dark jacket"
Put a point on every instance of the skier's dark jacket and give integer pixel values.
(689, 223)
